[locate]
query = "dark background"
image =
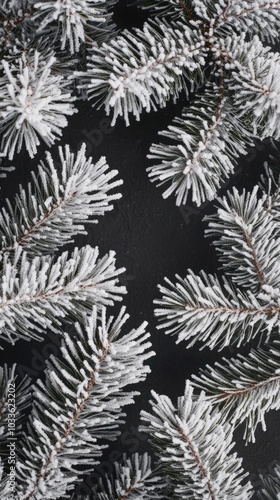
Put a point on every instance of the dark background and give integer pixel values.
(152, 238)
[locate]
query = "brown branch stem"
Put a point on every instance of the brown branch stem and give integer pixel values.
(198, 461)
(227, 394)
(74, 418)
(38, 224)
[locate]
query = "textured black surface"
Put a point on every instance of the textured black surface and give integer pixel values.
(152, 238)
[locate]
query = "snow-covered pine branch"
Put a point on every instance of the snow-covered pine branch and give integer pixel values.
(194, 446)
(46, 291)
(137, 71)
(134, 478)
(253, 17)
(246, 236)
(12, 395)
(66, 25)
(202, 150)
(34, 102)
(220, 312)
(253, 74)
(271, 485)
(75, 22)
(203, 145)
(144, 69)
(260, 17)
(80, 403)
(57, 203)
(216, 314)
(245, 387)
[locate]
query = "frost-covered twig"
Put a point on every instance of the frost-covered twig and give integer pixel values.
(57, 203)
(191, 42)
(245, 387)
(194, 446)
(80, 402)
(34, 103)
(144, 69)
(218, 312)
(134, 479)
(46, 291)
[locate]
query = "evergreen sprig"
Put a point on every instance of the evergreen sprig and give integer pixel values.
(43, 292)
(59, 200)
(191, 42)
(201, 308)
(80, 404)
(245, 387)
(201, 162)
(144, 69)
(245, 228)
(219, 312)
(73, 23)
(260, 17)
(135, 479)
(34, 103)
(194, 446)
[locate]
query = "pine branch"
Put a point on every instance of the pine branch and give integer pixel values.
(199, 308)
(260, 17)
(193, 445)
(14, 400)
(46, 291)
(77, 22)
(245, 388)
(80, 403)
(271, 485)
(203, 148)
(220, 312)
(133, 479)
(204, 144)
(246, 237)
(254, 83)
(145, 69)
(57, 203)
(33, 103)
